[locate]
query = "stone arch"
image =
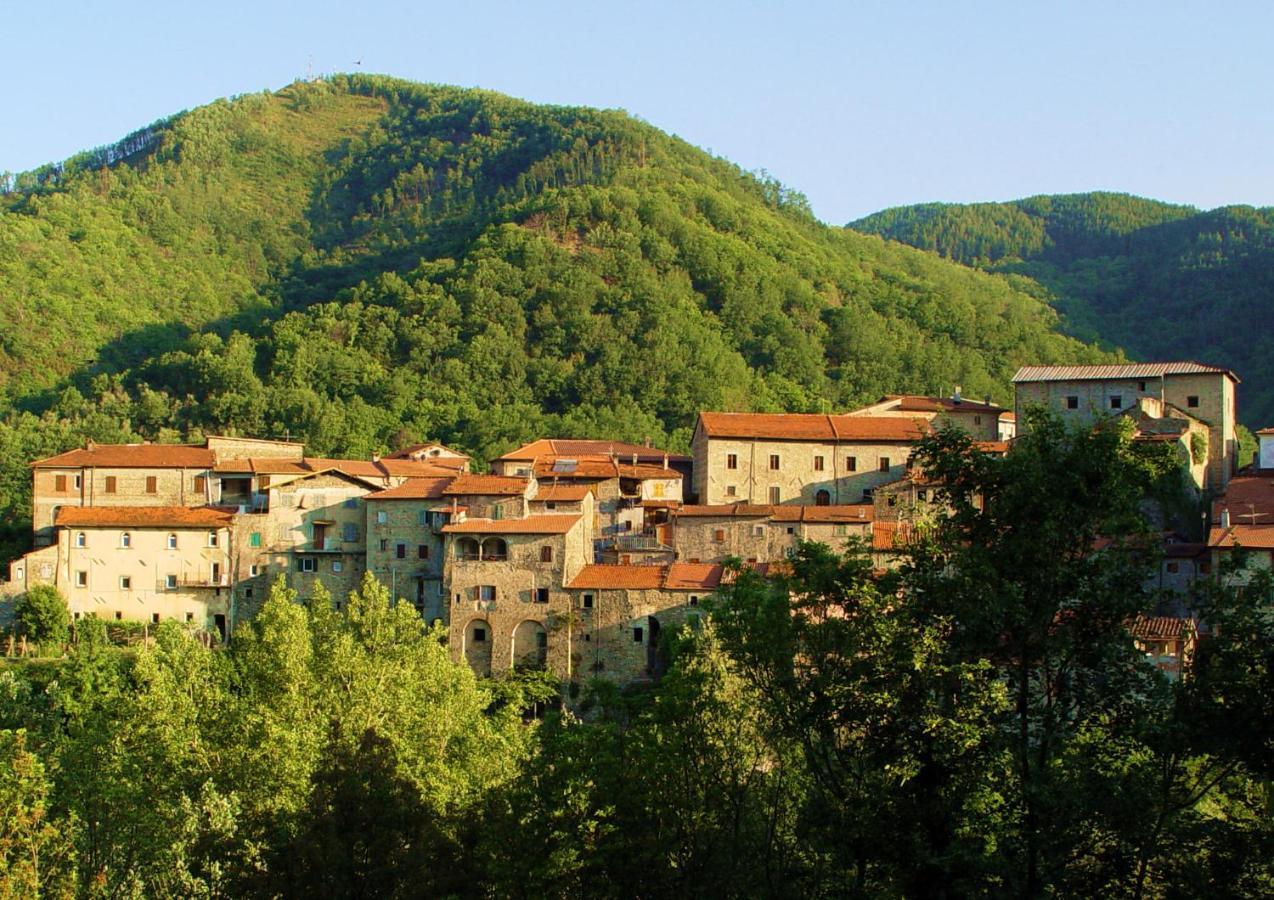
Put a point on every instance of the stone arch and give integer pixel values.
(467, 548)
(529, 644)
(495, 548)
(477, 645)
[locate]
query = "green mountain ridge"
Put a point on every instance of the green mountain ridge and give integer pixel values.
(362, 262)
(1161, 280)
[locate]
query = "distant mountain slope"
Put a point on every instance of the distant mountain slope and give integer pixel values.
(1162, 281)
(363, 262)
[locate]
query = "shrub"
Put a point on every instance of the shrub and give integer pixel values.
(43, 612)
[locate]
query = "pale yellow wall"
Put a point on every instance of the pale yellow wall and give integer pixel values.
(148, 561)
(797, 478)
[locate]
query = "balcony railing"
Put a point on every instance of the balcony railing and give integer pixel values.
(186, 582)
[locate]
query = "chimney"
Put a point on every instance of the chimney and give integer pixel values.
(634, 459)
(375, 457)
(986, 399)
(1225, 517)
(90, 445)
(646, 441)
(955, 395)
(665, 460)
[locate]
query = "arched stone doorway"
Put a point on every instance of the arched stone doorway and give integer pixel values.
(530, 644)
(477, 646)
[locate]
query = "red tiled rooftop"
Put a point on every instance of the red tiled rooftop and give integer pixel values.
(413, 489)
(132, 456)
(618, 577)
(1159, 627)
(572, 447)
(529, 525)
(1249, 498)
(486, 485)
(1253, 537)
(143, 516)
(812, 427)
(694, 576)
(891, 535)
(724, 510)
(561, 493)
(918, 403)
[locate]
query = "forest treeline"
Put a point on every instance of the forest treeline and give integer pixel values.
(362, 262)
(1162, 281)
(976, 723)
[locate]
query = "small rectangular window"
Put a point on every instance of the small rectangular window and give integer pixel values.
(1116, 401)
(349, 532)
(1173, 567)
(758, 531)
(486, 592)
(977, 420)
(1141, 386)
(851, 464)
(884, 464)
(154, 618)
(126, 540)
(201, 484)
(774, 461)
(254, 539)
(172, 542)
(638, 636)
(1072, 401)
(731, 490)
(81, 578)
(400, 551)
(422, 518)
(422, 551)
(381, 517)
(541, 595)
(818, 464)
(190, 617)
(337, 566)
(78, 482)
(732, 461)
(384, 544)
(213, 539)
(718, 535)
(479, 635)
(1192, 401)
(125, 583)
(110, 484)
(587, 601)
(152, 484)
(308, 564)
(351, 503)
(170, 582)
(59, 483)
(922, 495)
(254, 570)
(81, 539)
(775, 496)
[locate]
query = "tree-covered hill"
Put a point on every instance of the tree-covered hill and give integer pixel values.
(363, 262)
(1162, 281)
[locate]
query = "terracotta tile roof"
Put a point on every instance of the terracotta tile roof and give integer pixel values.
(359, 468)
(1253, 537)
(552, 447)
(132, 456)
(413, 489)
(1008, 417)
(529, 525)
(419, 468)
(726, 510)
(613, 577)
(694, 576)
(144, 516)
(891, 535)
(861, 513)
(812, 427)
(486, 485)
(1249, 498)
(1000, 447)
(1269, 430)
(1160, 627)
(576, 467)
(1129, 370)
(279, 467)
(561, 493)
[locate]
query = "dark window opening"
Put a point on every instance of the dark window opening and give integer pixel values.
(587, 602)
(638, 635)
(479, 635)
(400, 551)
(422, 551)
(546, 554)
(1192, 401)
(851, 463)
(774, 461)
(732, 461)
(1072, 402)
(884, 464)
(541, 595)
(1116, 402)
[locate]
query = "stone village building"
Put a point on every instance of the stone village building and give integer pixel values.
(574, 555)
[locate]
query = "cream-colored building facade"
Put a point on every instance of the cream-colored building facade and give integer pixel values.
(1191, 390)
(789, 458)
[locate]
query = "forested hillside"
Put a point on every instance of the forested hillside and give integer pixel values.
(363, 262)
(1162, 281)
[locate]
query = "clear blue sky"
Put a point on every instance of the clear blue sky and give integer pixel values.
(860, 105)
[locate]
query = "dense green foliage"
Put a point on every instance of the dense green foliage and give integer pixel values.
(1162, 281)
(43, 614)
(977, 723)
(362, 262)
